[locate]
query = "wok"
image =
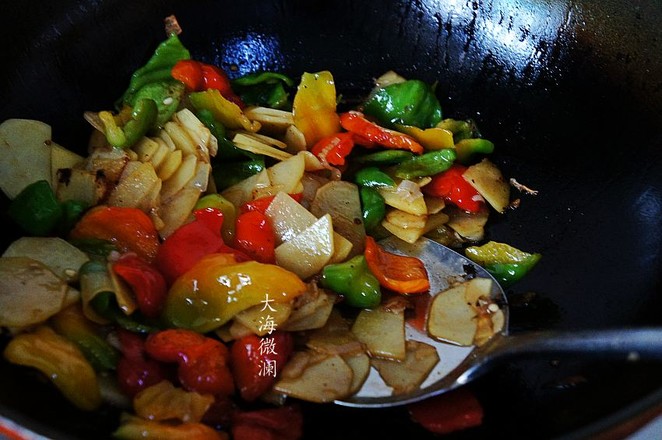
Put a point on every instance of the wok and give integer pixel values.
(570, 91)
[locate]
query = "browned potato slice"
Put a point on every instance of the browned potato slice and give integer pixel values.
(469, 226)
(286, 175)
(404, 200)
(408, 375)
(81, 185)
(310, 314)
(62, 158)
(360, 365)
(63, 258)
(382, 331)
(410, 235)
(321, 380)
(490, 183)
(246, 190)
(451, 318)
(335, 338)
(261, 321)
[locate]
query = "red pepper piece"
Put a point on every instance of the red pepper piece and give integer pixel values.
(202, 361)
(263, 203)
(356, 123)
(198, 76)
(147, 283)
(400, 273)
(284, 423)
(255, 361)
(135, 371)
(452, 187)
(190, 73)
(192, 241)
(255, 236)
(334, 148)
(130, 229)
(454, 411)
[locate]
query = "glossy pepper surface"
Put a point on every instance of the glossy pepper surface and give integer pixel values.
(143, 117)
(35, 209)
(400, 273)
(354, 281)
(506, 263)
(373, 207)
(452, 187)
(215, 289)
(428, 164)
(411, 102)
(314, 106)
(355, 122)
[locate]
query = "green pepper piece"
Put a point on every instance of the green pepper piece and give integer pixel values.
(385, 157)
(460, 129)
(157, 69)
(427, 164)
(105, 305)
(506, 263)
(226, 149)
(354, 281)
(72, 324)
(167, 94)
(72, 211)
(373, 177)
(373, 207)
(411, 102)
(143, 118)
(264, 89)
(234, 172)
(467, 148)
(35, 209)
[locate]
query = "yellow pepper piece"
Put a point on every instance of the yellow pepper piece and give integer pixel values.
(61, 361)
(135, 428)
(226, 112)
(212, 292)
(226, 207)
(434, 138)
(314, 107)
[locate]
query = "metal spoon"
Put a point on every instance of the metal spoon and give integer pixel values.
(460, 365)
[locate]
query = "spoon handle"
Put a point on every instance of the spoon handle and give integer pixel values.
(628, 344)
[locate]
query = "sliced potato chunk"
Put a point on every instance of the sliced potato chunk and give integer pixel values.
(360, 365)
(307, 253)
(322, 380)
(382, 331)
(486, 177)
(408, 375)
(451, 318)
(63, 258)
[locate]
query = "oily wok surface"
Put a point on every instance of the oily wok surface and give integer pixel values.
(569, 91)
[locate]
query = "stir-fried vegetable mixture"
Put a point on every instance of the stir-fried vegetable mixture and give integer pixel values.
(218, 246)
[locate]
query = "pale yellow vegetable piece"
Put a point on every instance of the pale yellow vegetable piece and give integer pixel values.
(164, 401)
(488, 180)
(271, 119)
(253, 145)
(181, 177)
(322, 380)
(247, 189)
(146, 148)
(335, 337)
(382, 331)
(30, 292)
(134, 185)
(402, 198)
(286, 175)
(177, 209)
(25, 156)
(360, 365)
(450, 318)
(307, 253)
(170, 165)
(63, 258)
(478, 289)
(468, 225)
(410, 235)
(268, 140)
(406, 220)
(62, 158)
(181, 138)
(80, 185)
(408, 375)
(309, 312)
(206, 144)
(288, 217)
(260, 321)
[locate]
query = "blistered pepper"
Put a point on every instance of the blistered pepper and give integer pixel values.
(354, 281)
(334, 148)
(452, 187)
(215, 289)
(61, 361)
(427, 164)
(135, 370)
(506, 263)
(35, 209)
(434, 138)
(411, 102)
(399, 273)
(314, 106)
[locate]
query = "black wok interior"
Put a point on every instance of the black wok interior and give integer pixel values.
(570, 91)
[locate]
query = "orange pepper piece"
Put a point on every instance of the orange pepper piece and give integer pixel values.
(130, 229)
(400, 273)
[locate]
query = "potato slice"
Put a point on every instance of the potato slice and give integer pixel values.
(322, 380)
(307, 253)
(470, 226)
(261, 321)
(408, 375)
(81, 185)
(184, 173)
(335, 339)
(63, 258)
(406, 197)
(312, 314)
(244, 191)
(286, 175)
(134, 185)
(451, 318)
(30, 292)
(360, 365)
(25, 156)
(382, 331)
(490, 183)
(411, 234)
(62, 158)
(177, 210)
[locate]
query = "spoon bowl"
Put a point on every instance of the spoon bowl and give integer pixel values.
(459, 365)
